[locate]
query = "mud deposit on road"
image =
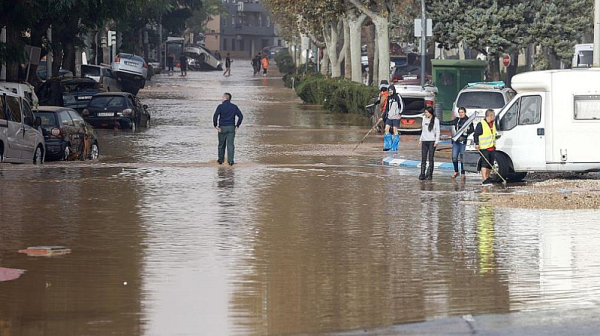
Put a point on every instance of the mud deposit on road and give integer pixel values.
(557, 193)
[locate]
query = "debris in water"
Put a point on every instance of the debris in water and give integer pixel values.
(45, 251)
(8, 274)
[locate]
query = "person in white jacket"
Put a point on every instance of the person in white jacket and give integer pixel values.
(430, 137)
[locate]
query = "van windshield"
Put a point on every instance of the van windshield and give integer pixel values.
(584, 58)
(108, 101)
(48, 119)
(481, 99)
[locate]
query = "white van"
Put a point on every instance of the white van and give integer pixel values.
(21, 139)
(552, 125)
(23, 90)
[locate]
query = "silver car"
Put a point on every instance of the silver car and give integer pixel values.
(130, 66)
(21, 139)
(103, 75)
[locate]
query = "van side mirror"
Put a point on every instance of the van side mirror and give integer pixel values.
(38, 122)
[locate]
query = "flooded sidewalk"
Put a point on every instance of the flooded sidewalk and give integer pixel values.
(302, 236)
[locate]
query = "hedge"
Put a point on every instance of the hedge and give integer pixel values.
(338, 95)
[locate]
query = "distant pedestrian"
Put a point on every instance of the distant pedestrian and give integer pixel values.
(256, 64)
(170, 64)
(225, 123)
(485, 142)
(393, 111)
(228, 61)
(265, 65)
(183, 64)
(430, 137)
(459, 146)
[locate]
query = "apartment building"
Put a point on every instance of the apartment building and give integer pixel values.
(244, 31)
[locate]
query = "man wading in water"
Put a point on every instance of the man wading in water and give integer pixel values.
(225, 116)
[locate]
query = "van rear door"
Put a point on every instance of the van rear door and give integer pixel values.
(522, 132)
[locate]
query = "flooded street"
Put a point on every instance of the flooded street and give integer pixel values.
(301, 236)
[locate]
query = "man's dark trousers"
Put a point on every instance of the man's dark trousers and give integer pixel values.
(226, 138)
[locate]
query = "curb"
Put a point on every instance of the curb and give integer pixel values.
(397, 162)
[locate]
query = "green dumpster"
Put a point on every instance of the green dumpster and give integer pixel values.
(451, 76)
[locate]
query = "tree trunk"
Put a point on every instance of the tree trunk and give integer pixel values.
(347, 58)
(355, 25)
(13, 38)
(332, 39)
(325, 63)
(68, 61)
(494, 66)
(371, 45)
(512, 68)
(383, 38)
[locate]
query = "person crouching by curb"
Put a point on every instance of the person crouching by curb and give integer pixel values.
(485, 143)
(430, 137)
(393, 111)
(459, 146)
(225, 116)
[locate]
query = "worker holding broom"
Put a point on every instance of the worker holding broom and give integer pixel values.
(485, 143)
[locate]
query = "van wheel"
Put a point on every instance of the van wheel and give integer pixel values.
(502, 165)
(1, 152)
(38, 156)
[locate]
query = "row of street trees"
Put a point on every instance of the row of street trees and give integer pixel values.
(492, 27)
(27, 22)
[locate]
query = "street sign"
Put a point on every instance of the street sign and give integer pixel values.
(506, 60)
(418, 27)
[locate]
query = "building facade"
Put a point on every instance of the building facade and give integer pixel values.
(244, 31)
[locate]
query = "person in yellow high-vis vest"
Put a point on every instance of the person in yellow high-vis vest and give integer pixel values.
(485, 142)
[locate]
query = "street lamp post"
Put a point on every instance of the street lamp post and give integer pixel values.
(423, 44)
(596, 60)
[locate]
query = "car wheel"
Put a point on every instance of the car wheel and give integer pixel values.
(502, 166)
(94, 151)
(38, 156)
(1, 153)
(66, 153)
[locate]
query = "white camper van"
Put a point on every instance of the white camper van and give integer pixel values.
(583, 55)
(553, 124)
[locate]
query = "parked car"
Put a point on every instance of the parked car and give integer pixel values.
(103, 75)
(74, 93)
(409, 75)
(67, 135)
(23, 90)
(415, 98)
(116, 109)
(21, 140)
(155, 66)
(550, 126)
(479, 97)
(131, 70)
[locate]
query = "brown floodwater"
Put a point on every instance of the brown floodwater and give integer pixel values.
(301, 236)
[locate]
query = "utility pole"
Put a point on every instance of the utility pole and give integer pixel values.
(596, 60)
(423, 41)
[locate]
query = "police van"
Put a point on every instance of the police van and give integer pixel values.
(551, 125)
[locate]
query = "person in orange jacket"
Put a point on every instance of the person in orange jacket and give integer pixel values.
(265, 65)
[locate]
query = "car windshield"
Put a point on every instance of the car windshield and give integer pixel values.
(407, 70)
(108, 101)
(48, 119)
(481, 99)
